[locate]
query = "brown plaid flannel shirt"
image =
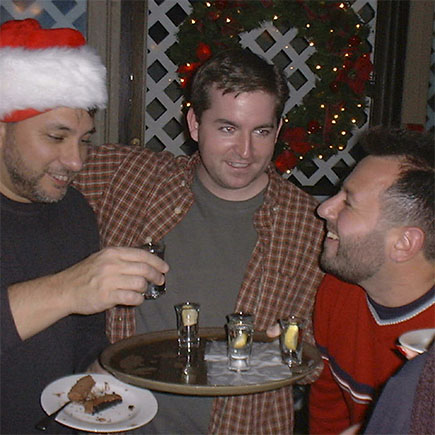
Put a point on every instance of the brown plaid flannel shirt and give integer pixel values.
(137, 193)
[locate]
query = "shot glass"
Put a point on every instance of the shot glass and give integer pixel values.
(187, 324)
(240, 332)
(154, 291)
(291, 342)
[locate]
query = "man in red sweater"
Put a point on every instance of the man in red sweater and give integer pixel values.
(380, 240)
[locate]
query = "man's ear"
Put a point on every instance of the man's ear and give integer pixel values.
(407, 242)
(193, 124)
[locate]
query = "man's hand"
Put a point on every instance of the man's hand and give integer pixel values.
(112, 276)
(273, 331)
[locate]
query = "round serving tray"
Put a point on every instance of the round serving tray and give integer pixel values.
(154, 361)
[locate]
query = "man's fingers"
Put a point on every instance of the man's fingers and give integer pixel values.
(137, 255)
(273, 331)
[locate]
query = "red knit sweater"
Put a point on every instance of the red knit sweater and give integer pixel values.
(359, 351)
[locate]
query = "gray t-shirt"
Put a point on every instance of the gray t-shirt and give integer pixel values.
(207, 252)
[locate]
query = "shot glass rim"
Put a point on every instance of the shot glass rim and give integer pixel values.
(301, 321)
(195, 305)
(242, 316)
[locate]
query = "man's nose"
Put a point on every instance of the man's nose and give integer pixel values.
(244, 145)
(72, 156)
(329, 209)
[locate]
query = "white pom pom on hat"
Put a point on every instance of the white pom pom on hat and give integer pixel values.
(41, 69)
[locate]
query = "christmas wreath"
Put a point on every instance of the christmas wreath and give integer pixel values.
(322, 124)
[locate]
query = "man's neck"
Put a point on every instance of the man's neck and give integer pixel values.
(402, 284)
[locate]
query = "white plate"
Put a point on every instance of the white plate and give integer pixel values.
(417, 340)
(138, 405)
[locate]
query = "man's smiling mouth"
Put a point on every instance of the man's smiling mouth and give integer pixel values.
(331, 235)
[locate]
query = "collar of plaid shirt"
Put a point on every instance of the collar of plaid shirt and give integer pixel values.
(138, 193)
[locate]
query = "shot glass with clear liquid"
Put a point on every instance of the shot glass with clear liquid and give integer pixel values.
(154, 291)
(291, 342)
(187, 324)
(240, 333)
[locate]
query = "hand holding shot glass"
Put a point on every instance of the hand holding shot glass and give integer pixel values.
(187, 324)
(291, 342)
(240, 332)
(153, 291)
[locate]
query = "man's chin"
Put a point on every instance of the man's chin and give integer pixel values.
(49, 197)
(326, 263)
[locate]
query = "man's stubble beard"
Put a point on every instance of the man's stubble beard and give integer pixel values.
(357, 258)
(27, 184)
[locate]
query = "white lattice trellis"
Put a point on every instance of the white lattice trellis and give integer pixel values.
(163, 115)
(158, 121)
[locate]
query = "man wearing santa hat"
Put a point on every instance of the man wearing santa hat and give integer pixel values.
(53, 279)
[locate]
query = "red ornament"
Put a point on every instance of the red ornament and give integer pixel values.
(186, 71)
(203, 52)
(356, 74)
(188, 68)
(286, 161)
(296, 139)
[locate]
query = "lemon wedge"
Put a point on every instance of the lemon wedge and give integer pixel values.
(291, 337)
(240, 341)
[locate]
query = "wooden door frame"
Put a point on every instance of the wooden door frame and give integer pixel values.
(110, 24)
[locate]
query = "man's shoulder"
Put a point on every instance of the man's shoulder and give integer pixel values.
(116, 163)
(106, 152)
(290, 193)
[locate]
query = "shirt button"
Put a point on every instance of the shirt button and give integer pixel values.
(275, 209)
(119, 319)
(183, 183)
(177, 210)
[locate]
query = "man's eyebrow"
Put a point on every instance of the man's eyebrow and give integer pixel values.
(227, 121)
(64, 127)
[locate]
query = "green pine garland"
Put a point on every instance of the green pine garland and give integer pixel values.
(323, 123)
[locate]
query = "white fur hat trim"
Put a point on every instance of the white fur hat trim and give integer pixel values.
(53, 77)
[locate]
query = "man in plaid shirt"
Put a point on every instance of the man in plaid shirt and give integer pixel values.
(238, 236)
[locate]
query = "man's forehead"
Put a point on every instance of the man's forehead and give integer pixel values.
(373, 173)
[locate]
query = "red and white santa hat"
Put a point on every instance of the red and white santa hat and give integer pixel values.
(41, 69)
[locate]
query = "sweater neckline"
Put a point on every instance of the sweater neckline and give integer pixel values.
(391, 315)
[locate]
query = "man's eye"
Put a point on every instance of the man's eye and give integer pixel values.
(87, 141)
(263, 132)
(55, 138)
(227, 129)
